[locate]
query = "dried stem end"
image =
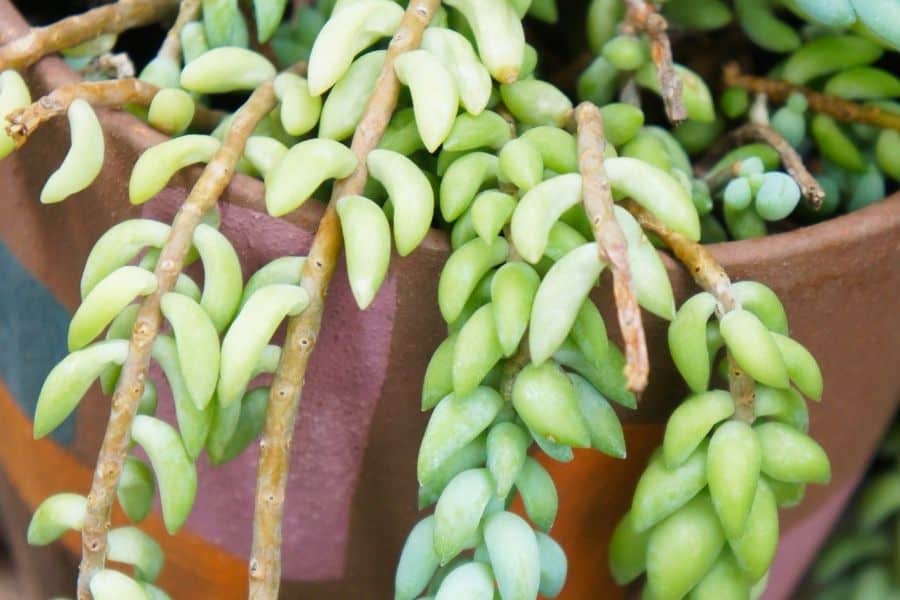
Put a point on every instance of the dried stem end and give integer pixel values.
(642, 16)
(613, 247)
(114, 448)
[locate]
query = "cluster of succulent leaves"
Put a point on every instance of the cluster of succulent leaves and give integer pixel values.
(718, 480)
(527, 361)
(217, 345)
(527, 365)
(858, 162)
(835, 49)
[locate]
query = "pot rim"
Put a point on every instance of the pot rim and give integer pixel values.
(244, 190)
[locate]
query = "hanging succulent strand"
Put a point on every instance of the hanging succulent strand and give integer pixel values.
(188, 10)
(115, 93)
(71, 31)
(284, 401)
(840, 109)
(522, 356)
(527, 186)
(114, 449)
(611, 242)
(642, 16)
(711, 277)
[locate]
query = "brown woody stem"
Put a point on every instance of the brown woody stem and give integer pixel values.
(642, 16)
(711, 277)
(760, 130)
(303, 330)
(71, 31)
(188, 10)
(114, 449)
(809, 186)
(115, 93)
(840, 109)
(611, 242)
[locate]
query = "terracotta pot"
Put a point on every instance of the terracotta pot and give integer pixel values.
(352, 492)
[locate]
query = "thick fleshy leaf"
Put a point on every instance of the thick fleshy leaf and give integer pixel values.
(459, 510)
(732, 468)
(691, 422)
(682, 549)
(455, 422)
(662, 491)
(514, 553)
(548, 404)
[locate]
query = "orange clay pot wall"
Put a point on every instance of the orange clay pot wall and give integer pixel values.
(352, 492)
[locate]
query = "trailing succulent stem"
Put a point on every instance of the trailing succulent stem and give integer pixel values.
(113, 450)
(537, 196)
(720, 474)
(188, 11)
(112, 18)
(711, 277)
(839, 108)
(303, 330)
(114, 93)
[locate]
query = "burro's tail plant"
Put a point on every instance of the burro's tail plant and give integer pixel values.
(704, 518)
(404, 116)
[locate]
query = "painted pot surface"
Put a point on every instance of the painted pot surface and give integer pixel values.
(352, 490)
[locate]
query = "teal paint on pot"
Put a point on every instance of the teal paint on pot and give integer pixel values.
(33, 326)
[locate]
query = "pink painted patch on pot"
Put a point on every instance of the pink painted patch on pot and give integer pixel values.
(343, 386)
